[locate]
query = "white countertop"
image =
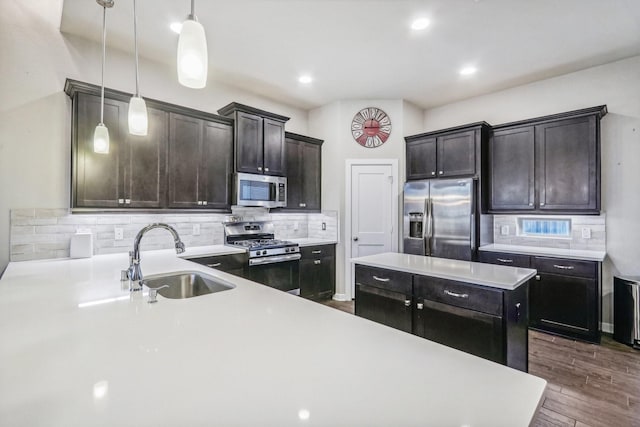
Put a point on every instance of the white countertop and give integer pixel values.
(552, 252)
(310, 241)
(212, 250)
(495, 276)
(250, 356)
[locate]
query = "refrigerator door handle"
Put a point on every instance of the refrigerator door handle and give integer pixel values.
(429, 207)
(473, 231)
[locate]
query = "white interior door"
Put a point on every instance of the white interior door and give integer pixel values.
(372, 225)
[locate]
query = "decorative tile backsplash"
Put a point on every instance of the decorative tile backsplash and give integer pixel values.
(505, 231)
(46, 233)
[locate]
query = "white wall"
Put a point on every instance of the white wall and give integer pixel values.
(35, 59)
(332, 123)
(618, 86)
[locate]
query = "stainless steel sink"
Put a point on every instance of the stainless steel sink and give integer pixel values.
(186, 284)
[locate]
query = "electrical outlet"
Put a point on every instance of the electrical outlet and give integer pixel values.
(295, 225)
(324, 225)
(119, 233)
(504, 230)
(586, 233)
(196, 229)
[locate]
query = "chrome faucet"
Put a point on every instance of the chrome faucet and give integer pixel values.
(134, 273)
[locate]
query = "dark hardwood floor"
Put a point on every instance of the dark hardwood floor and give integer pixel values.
(588, 385)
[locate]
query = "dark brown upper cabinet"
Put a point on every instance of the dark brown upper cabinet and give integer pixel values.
(304, 172)
(199, 163)
(186, 158)
(549, 164)
(259, 139)
(453, 152)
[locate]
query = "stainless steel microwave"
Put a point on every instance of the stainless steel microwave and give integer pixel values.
(261, 190)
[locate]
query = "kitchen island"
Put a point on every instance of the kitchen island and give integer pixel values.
(482, 309)
(77, 348)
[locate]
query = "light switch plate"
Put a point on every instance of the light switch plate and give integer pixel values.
(504, 230)
(295, 225)
(586, 233)
(119, 233)
(324, 225)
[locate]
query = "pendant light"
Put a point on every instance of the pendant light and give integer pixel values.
(138, 121)
(101, 134)
(192, 53)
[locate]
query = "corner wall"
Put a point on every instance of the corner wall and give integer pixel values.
(617, 85)
(35, 136)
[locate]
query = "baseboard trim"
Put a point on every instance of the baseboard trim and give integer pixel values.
(341, 297)
(606, 327)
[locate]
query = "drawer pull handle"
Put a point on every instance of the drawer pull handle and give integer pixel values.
(381, 279)
(407, 303)
(217, 264)
(317, 261)
(505, 260)
(518, 314)
(316, 252)
(563, 267)
(453, 294)
(538, 277)
(420, 306)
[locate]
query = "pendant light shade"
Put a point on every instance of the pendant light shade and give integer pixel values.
(101, 139)
(101, 134)
(138, 121)
(192, 53)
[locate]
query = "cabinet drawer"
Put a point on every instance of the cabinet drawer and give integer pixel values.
(502, 258)
(317, 252)
(459, 294)
(223, 262)
(565, 267)
(385, 279)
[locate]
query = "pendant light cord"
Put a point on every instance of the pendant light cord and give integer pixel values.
(104, 55)
(135, 42)
(193, 10)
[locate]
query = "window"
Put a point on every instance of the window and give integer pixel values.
(544, 227)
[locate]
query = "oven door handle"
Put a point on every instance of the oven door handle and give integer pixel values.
(274, 259)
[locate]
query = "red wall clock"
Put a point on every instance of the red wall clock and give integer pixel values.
(371, 127)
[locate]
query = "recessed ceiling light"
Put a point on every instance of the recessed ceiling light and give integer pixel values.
(467, 71)
(420, 24)
(176, 27)
(305, 79)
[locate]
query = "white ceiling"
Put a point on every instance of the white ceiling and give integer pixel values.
(364, 49)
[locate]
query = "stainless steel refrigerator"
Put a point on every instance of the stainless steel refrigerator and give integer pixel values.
(439, 218)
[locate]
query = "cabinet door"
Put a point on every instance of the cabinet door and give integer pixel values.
(383, 306)
(470, 331)
(421, 159)
(564, 305)
(567, 165)
(311, 176)
(185, 139)
(457, 154)
(293, 155)
(217, 149)
(97, 178)
(144, 172)
(511, 169)
(249, 148)
(317, 272)
(274, 158)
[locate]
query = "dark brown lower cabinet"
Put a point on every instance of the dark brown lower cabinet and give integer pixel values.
(565, 298)
(383, 306)
(565, 295)
(317, 272)
(236, 264)
(487, 322)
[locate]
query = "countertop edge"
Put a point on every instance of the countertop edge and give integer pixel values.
(579, 254)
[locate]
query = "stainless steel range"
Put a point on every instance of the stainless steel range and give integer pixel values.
(272, 262)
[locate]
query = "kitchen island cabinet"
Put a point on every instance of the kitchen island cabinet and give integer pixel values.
(482, 311)
(87, 350)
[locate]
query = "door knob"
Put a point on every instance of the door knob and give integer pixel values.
(355, 239)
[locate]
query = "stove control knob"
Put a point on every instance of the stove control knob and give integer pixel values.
(286, 249)
(264, 252)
